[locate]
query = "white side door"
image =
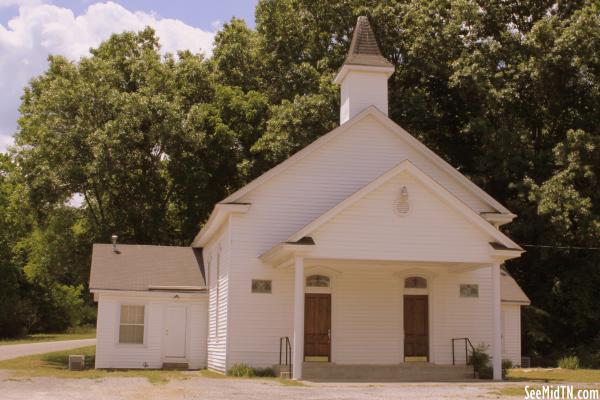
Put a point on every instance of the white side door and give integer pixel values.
(175, 331)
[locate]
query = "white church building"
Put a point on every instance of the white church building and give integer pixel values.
(365, 252)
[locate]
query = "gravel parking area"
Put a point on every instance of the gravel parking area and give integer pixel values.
(211, 388)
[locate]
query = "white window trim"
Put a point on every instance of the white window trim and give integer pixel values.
(118, 324)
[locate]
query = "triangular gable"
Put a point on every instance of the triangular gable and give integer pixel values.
(387, 122)
(406, 166)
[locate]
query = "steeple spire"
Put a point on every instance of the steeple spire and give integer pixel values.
(364, 74)
(363, 48)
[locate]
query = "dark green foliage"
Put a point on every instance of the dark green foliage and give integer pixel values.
(480, 360)
(264, 372)
(506, 365)
(507, 92)
(246, 371)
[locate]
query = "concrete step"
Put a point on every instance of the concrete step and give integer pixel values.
(408, 372)
(283, 371)
(175, 366)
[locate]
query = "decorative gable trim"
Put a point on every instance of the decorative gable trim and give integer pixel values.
(407, 166)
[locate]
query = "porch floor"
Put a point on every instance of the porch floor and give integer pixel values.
(408, 372)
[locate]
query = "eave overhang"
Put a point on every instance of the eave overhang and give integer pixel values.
(347, 68)
(502, 253)
(285, 251)
(498, 219)
(218, 216)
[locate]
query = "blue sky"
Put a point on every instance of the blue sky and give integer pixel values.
(199, 13)
(30, 30)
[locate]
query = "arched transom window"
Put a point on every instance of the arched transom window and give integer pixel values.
(415, 282)
(317, 281)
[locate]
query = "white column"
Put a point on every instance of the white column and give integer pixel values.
(298, 351)
(496, 324)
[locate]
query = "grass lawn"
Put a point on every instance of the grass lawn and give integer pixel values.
(82, 333)
(56, 365)
(552, 375)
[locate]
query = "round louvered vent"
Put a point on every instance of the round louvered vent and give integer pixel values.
(401, 205)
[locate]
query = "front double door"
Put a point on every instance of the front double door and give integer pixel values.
(317, 327)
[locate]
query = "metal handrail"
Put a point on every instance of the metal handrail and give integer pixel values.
(284, 341)
(467, 342)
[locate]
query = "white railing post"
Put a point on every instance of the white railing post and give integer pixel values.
(496, 323)
(298, 352)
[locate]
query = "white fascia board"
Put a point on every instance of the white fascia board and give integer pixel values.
(217, 217)
(386, 121)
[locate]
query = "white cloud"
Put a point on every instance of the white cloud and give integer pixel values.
(43, 29)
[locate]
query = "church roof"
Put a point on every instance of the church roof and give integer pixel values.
(363, 48)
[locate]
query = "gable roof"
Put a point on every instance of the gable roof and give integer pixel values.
(363, 48)
(407, 166)
(397, 129)
(141, 268)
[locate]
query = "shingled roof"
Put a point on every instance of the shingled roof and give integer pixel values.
(363, 48)
(141, 268)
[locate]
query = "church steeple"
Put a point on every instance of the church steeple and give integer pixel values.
(364, 74)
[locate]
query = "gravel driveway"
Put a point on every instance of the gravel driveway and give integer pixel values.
(17, 350)
(211, 388)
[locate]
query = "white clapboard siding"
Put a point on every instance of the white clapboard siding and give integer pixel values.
(332, 173)
(371, 229)
(218, 251)
(111, 354)
(511, 333)
(198, 334)
(367, 315)
(459, 317)
(300, 194)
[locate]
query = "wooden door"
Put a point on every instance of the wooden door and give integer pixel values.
(416, 326)
(175, 329)
(317, 327)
